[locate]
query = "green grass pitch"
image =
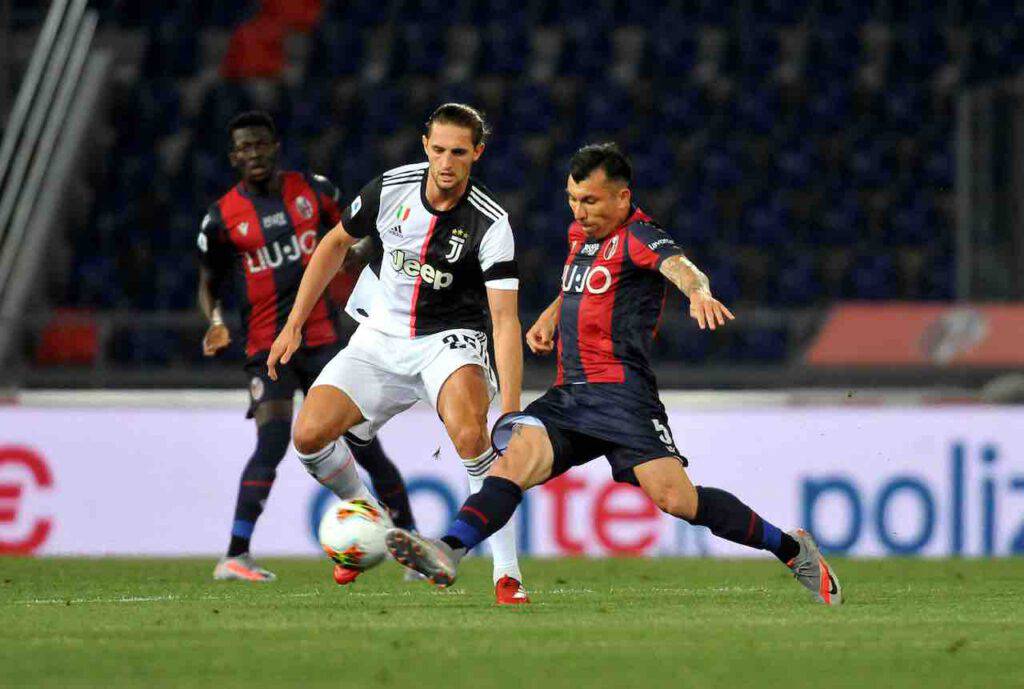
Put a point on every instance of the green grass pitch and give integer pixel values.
(593, 623)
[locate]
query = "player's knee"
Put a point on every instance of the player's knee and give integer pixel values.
(471, 440)
(309, 437)
(524, 462)
(675, 500)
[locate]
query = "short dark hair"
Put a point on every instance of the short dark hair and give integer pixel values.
(606, 156)
(252, 118)
(461, 115)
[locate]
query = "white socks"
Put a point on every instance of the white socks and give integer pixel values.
(335, 468)
(503, 541)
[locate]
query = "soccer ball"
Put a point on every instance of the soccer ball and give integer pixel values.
(352, 533)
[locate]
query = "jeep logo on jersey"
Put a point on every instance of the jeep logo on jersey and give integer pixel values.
(273, 255)
(276, 220)
(304, 207)
(438, 279)
(593, 279)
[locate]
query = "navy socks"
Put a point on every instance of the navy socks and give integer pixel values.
(729, 518)
(483, 513)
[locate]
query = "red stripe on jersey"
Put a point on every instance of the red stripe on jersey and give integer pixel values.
(595, 343)
(419, 278)
(319, 329)
(260, 289)
(575, 244)
(641, 254)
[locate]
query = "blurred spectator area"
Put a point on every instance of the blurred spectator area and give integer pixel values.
(800, 151)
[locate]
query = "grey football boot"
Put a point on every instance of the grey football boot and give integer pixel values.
(431, 558)
(811, 570)
(241, 568)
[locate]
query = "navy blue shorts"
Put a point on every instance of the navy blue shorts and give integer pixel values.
(297, 374)
(587, 421)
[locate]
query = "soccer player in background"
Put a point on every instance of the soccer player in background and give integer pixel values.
(263, 232)
(605, 398)
(449, 262)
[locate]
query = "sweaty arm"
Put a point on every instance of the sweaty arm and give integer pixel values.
(215, 258)
(508, 345)
(357, 221)
(497, 256)
(541, 335)
(704, 308)
(652, 248)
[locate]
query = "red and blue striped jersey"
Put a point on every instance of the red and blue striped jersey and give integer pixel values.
(266, 243)
(612, 298)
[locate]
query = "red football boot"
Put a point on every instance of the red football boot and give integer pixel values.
(344, 575)
(509, 591)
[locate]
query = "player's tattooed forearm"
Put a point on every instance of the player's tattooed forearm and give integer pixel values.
(682, 273)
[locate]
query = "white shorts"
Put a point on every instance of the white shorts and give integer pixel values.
(384, 374)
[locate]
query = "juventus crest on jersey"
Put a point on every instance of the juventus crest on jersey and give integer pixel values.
(436, 264)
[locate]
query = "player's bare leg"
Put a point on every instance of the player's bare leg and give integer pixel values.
(326, 414)
(462, 405)
(665, 481)
(527, 462)
(273, 429)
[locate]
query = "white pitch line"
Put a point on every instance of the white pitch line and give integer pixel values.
(142, 599)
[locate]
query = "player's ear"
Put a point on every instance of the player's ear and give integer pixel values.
(625, 195)
(477, 152)
(426, 149)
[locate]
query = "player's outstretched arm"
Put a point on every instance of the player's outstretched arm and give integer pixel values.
(508, 347)
(704, 308)
(217, 335)
(540, 338)
(324, 265)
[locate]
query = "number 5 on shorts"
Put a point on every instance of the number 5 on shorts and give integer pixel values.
(664, 435)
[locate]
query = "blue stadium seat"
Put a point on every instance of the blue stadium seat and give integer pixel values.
(503, 49)
(765, 222)
(797, 281)
(913, 221)
(337, 49)
(529, 109)
(759, 345)
(607, 109)
(721, 170)
(872, 276)
(423, 48)
(843, 219)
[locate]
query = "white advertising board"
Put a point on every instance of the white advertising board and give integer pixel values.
(867, 481)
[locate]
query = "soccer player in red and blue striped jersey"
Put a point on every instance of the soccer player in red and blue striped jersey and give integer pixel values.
(262, 233)
(605, 399)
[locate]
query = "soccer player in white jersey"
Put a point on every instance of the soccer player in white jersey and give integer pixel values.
(449, 260)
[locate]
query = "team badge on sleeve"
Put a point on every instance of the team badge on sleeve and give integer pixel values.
(357, 203)
(256, 389)
(304, 207)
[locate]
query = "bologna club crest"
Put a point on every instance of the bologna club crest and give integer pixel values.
(304, 207)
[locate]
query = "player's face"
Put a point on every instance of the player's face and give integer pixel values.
(598, 204)
(254, 153)
(451, 153)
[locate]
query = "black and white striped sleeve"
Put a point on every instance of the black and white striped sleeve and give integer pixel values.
(498, 256)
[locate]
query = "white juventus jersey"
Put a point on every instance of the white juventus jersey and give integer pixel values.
(436, 264)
